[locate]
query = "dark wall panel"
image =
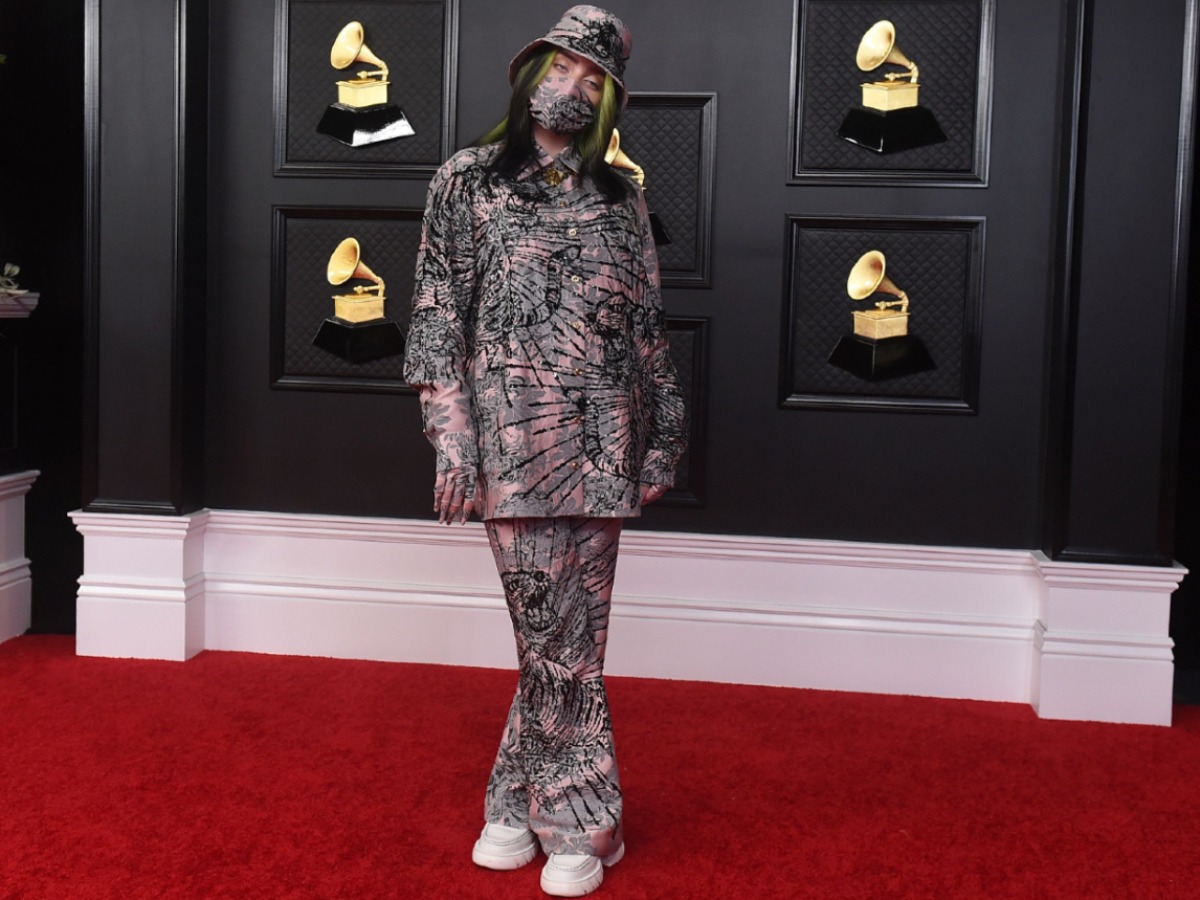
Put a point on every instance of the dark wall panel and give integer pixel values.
(136, 222)
(1126, 317)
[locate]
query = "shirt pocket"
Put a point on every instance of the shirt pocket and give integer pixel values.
(529, 291)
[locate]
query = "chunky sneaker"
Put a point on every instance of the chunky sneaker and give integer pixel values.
(503, 848)
(569, 875)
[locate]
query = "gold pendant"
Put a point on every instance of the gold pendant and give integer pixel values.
(553, 176)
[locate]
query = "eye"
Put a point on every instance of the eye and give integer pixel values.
(592, 84)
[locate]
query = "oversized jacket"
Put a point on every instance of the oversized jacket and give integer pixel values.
(537, 341)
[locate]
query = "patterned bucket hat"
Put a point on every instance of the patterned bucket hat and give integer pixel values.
(590, 32)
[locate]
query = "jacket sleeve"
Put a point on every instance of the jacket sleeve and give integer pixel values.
(668, 428)
(438, 347)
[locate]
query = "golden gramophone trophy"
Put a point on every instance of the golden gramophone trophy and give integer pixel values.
(891, 117)
(880, 346)
(616, 158)
(362, 114)
(358, 331)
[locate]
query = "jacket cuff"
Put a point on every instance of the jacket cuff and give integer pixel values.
(446, 410)
(658, 468)
(456, 450)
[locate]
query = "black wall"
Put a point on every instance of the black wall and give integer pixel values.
(1185, 604)
(41, 230)
(865, 476)
(908, 477)
(1073, 446)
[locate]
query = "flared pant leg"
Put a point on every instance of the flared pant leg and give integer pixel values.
(556, 770)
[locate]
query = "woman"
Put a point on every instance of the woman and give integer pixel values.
(538, 347)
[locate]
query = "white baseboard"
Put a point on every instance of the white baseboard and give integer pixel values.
(1102, 647)
(15, 579)
(1004, 625)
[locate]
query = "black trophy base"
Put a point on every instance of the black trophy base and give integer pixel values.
(878, 360)
(891, 132)
(357, 126)
(360, 342)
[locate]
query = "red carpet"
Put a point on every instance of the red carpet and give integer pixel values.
(237, 775)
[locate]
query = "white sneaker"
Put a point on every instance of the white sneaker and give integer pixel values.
(570, 875)
(502, 848)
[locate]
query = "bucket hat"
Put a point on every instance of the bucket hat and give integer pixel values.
(590, 32)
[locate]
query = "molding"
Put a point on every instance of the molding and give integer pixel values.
(979, 175)
(1101, 649)
(695, 490)
(142, 591)
(131, 507)
(1185, 168)
(700, 276)
(1063, 315)
(17, 484)
(1058, 413)
(91, 251)
(280, 378)
(15, 578)
(1075, 641)
(792, 396)
(189, 207)
(189, 254)
(449, 108)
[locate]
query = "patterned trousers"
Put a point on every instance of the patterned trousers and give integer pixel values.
(556, 770)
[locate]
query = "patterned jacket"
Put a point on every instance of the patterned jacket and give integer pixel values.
(538, 343)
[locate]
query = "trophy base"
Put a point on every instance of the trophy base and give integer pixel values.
(891, 132)
(879, 360)
(659, 230)
(364, 125)
(360, 342)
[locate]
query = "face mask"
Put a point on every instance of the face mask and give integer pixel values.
(558, 112)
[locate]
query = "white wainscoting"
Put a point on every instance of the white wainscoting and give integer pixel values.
(15, 583)
(1074, 640)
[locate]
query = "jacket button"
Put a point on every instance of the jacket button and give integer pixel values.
(572, 231)
(576, 279)
(574, 465)
(578, 326)
(579, 371)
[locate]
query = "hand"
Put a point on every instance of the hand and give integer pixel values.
(652, 492)
(454, 495)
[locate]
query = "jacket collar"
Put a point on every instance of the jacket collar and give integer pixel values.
(567, 161)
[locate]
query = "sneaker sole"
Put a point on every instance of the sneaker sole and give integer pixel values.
(573, 889)
(589, 884)
(503, 863)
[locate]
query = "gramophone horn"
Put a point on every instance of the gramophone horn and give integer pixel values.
(878, 46)
(346, 263)
(349, 48)
(869, 276)
(616, 158)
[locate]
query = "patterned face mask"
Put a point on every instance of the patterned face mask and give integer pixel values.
(559, 112)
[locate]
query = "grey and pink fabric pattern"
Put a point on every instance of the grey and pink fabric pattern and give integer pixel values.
(590, 32)
(538, 343)
(556, 769)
